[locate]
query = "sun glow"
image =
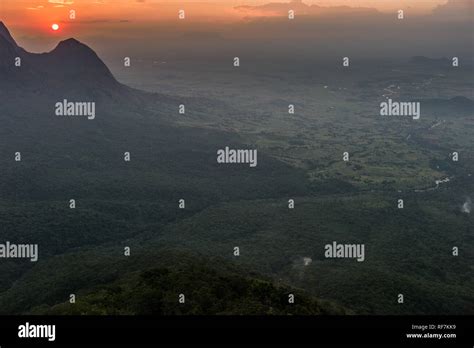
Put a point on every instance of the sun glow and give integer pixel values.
(55, 27)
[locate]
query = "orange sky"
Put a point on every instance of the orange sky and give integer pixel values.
(33, 18)
(38, 12)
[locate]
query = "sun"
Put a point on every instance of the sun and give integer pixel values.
(55, 27)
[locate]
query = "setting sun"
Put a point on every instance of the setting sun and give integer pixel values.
(55, 27)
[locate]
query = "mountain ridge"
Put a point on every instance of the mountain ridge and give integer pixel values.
(71, 62)
(5, 33)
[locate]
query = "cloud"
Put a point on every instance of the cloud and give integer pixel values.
(61, 2)
(300, 8)
(35, 8)
(459, 9)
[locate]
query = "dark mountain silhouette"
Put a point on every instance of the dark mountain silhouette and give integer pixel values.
(8, 50)
(71, 71)
(71, 68)
(5, 34)
(74, 61)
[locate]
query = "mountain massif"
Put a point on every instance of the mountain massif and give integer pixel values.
(129, 208)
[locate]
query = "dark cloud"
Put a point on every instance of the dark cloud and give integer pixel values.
(300, 8)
